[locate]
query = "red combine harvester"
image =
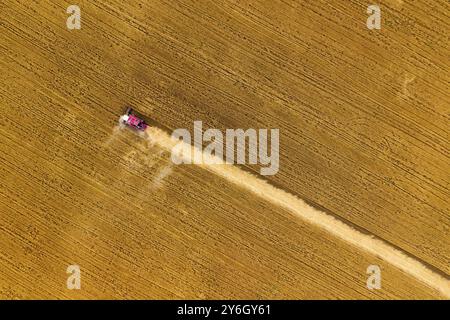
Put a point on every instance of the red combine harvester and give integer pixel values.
(132, 120)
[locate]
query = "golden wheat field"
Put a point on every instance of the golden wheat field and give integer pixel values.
(364, 169)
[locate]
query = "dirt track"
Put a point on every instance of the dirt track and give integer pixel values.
(363, 118)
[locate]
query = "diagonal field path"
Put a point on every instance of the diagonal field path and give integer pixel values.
(300, 208)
